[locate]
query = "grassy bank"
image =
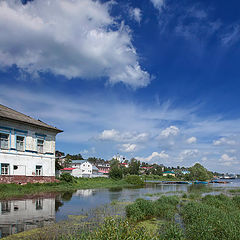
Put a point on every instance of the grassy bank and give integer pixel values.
(160, 178)
(8, 191)
(169, 217)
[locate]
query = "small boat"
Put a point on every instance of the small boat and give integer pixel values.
(200, 182)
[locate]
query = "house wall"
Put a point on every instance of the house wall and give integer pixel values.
(86, 167)
(27, 160)
(21, 215)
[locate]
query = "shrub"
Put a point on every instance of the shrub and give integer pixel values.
(141, 209)
(134, 179)
(115, 173)
(67, 177)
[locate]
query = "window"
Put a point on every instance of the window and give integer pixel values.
(39, 204)
(6, 207)
(20, 143)
(4, 169)
(4, 140)
(40, 143)
(38, 170)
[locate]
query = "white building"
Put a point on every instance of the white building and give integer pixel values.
(27, 148)
(82, 168)
(21, 215)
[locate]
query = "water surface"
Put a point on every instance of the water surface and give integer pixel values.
(19, 215)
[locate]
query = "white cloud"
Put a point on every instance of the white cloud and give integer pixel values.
(154, 157)
(191, 140)
(226, 160)
(223, 141)
(75, 38)
(127, 147)
(170, 131)
(158, 4)
(136, 14)
(114, 135)
(188, 153)
(232, 35)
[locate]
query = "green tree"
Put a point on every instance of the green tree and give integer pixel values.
(198, 172)
(134, 166)
(116, 171)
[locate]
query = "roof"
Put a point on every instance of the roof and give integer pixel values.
(169, 172)
(67, 169)
(95, 168)
(10, 114)
(79, 161)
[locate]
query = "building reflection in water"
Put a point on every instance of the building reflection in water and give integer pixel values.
(83, 192)
(21, 215)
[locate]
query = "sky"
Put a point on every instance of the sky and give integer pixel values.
(157, 80)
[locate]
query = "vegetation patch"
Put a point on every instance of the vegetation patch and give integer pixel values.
(214, 217)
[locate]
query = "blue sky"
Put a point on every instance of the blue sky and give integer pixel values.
(154, 79)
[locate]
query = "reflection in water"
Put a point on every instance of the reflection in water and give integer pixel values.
(21, 215)
(84, 192)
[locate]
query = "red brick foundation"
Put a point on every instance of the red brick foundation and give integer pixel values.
(26, 179)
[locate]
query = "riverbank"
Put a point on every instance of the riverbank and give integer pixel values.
(8, 191)
(169, 217)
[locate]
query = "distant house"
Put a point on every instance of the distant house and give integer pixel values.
(82, 168)
(103, 167)
(184, 172)
(169, 173)
(27, 148)
(125, 165)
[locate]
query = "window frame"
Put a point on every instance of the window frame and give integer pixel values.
(4, 168)
(39, 171)
(8, 140)
(23, 143)
(43, 140)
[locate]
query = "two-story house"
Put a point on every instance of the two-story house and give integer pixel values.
(27, 148)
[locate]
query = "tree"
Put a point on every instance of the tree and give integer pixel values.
(115, 169)
(134, 166)
(198, 172)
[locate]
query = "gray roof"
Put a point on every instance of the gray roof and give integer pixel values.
(79, 161)
(10, 114)
(95, 168)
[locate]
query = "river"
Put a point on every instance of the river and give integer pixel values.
(17, 215)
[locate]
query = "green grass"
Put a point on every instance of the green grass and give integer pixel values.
(214, 217)
(160, 178)
(141, 209)
(8, 191)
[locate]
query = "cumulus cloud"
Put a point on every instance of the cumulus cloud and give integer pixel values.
(188, 153)
(226, 160)
(136, 14)
(114, 135)
(170, 131)
(158, 4)
(75, 39)
(223, 141)
(127, 147)
(154, 157)
(191, 140)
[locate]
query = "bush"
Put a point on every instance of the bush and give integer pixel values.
(134, 179)
(141, 209)
(116, 173)
(67, 177)
(215, 218)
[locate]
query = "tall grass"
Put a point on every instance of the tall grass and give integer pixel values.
(214, 217)
(141, 209)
